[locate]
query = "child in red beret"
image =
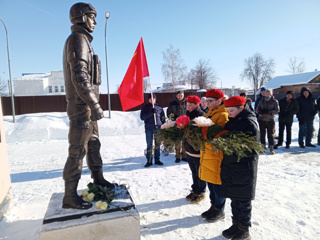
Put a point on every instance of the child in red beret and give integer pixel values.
(239, 178)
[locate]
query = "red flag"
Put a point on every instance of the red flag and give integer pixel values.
(131, 88)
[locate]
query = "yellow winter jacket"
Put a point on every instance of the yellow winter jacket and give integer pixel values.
(210, 161)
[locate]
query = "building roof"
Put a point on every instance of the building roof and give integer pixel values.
(292, 79)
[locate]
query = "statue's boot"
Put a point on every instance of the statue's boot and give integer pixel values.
(71, 199)
(100, 180)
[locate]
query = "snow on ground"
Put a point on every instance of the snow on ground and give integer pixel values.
(287, 203)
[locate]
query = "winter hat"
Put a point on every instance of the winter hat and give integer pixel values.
(154, 96)
(290, 92)
(179, 91)
(270, 91)
(262, 89)
(215, 93)
(234, 101)
(193, 99)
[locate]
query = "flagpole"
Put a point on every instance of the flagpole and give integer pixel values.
(154, 115)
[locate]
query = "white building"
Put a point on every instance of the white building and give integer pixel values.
(33, 84)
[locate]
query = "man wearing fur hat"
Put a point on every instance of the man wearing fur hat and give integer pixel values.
(178, 108)
(288, 108)
(193, 157)
(210, 159)
(148, 114)
(267, 108)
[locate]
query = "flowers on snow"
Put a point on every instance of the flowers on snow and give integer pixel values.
(182, 121)
(203, 122)
(84, 194)
(90, 197)
(102, 205)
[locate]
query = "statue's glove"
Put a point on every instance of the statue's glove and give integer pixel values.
(96, 112)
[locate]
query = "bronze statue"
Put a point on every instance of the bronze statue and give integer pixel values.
(82, 76)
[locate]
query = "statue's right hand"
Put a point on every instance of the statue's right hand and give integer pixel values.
(96, 113)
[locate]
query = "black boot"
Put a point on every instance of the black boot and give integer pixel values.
(100, 180)
(71, 198)
(208, 212)
(242, 233)
(215, 216)
(231, 231)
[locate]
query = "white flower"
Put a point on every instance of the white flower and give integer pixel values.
(104, 206)
(90, 197)
(168, 124)
(85, 193)
(98, 204)
(203, 122)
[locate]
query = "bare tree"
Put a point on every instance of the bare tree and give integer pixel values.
(3, 87)
(173, 69)
(203, 75)
(257, 71)
(296, 65)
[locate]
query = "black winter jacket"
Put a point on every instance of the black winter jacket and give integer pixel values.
(239, 178)
(307, 106)
(197, 112)
(147, 116)
(177, 108)
(288, 109)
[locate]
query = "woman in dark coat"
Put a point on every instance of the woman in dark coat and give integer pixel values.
(239, 177)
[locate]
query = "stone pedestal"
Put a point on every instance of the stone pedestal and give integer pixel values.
(93, 223)
(5, 181)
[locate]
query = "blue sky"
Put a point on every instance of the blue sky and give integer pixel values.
(225, 32)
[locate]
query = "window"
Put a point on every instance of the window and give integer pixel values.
(56, 89)
(62, 88)
(50, 89)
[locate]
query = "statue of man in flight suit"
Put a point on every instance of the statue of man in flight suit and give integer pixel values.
(82, 76)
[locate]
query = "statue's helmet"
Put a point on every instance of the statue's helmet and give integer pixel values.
(79, 10)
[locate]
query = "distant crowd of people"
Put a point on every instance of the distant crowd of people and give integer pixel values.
(217, 170)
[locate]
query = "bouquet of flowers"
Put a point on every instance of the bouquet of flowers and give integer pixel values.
(203, 131)
(103, 195)
(173, 132)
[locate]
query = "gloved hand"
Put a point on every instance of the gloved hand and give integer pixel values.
(96, 112)
(154, 110)
(265, 111)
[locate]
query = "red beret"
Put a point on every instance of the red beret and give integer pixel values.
(193, 99)
(234, 101)
(215, 93)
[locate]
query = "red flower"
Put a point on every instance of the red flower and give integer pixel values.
(289, 101)
(182, 121)
(180, 105)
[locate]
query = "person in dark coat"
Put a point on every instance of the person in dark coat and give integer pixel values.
(178, 108)
(248, 104)
(239, 177)
(256, 103)
(267, 109)
(307, 111)
(288, 108)
(198, 186)
(318, 108)
(148, 114)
